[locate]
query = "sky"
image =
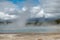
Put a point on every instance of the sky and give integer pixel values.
(12, 9)
(19, 6)
(12, 6)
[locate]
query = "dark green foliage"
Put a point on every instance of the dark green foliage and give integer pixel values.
(57, 21)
